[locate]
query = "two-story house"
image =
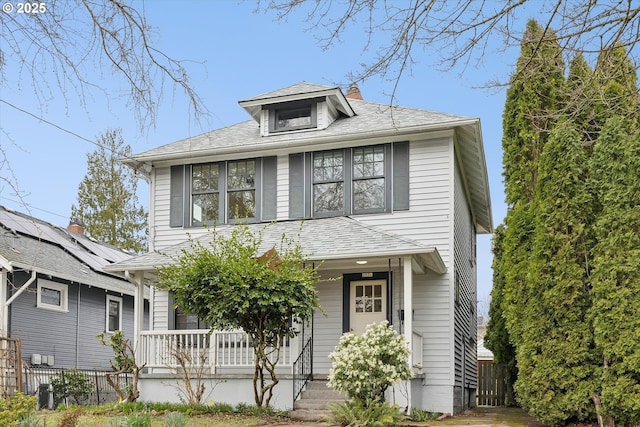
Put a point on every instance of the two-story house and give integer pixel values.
(390, 199)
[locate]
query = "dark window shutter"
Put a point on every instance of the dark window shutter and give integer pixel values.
(176, 215)
(296, 186)
(269, 178)
(401, 176)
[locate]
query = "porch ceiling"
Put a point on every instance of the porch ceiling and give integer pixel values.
(339, 240)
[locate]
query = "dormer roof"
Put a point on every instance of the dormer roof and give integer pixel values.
(298, 92)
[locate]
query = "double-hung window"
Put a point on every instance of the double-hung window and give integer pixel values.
(358, 180)
(241, 189)
(207, 194)
(328, 182)
(114, 313)
(369, 189)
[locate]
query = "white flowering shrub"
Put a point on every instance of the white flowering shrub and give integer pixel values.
(365, 366)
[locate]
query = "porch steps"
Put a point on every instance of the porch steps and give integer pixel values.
(314, 401)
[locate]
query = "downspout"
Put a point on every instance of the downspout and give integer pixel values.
(77, 325)
(5, 311)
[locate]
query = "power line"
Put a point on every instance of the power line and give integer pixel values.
(58, 127)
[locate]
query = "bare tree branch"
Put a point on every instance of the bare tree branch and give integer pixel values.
(457, 33)
(55, 52)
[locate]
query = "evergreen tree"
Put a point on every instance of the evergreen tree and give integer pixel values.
(533, 99)
(555, 355)
(615, 170)
(497, 337)
(617, 81)
(107, 205)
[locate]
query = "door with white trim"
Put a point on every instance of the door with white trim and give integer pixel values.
(368, 304)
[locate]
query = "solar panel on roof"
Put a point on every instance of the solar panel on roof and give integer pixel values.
(93, 254)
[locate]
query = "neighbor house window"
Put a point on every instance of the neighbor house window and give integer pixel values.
(114, 313)
(52, 296)
(293, 116)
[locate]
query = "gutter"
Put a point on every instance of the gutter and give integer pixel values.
(303, 142)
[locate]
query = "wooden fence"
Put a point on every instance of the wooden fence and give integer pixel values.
(492, 388)
(10, 367)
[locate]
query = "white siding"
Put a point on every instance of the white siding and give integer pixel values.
(427, 221)
(465, 304)
(327, 326)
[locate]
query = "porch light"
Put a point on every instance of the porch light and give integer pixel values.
(361, 262)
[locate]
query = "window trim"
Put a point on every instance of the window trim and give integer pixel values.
(108, 314)
(60, 287)
(348, 181)
(275, 109)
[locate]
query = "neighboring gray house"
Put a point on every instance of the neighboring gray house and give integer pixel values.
(390, 199)
(55, 296)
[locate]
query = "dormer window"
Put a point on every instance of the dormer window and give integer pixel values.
(293, 116)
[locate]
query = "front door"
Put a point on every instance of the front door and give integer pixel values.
(368, 301)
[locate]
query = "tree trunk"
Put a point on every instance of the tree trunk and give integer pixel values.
(607, 421)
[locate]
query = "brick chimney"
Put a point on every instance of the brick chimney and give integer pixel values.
(75, 227)
(354, 92)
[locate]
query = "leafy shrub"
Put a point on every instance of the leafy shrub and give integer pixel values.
(29, 421)
(359, 413)
(16, 408)
(365, 366)
(175, 419)
(421, 415)
(70, 417)
(139, 419)
(72, 383)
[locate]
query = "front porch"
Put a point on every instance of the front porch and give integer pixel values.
(228, 356)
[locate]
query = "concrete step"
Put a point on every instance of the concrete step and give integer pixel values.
(314, 401)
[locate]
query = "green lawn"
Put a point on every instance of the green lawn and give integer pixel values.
(53, 418)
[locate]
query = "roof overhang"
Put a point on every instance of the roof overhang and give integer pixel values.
(349, 242)
(333, 95)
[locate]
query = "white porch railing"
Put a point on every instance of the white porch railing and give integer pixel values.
(218, 349)
(416, 349)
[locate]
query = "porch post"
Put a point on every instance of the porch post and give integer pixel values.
(408, 318)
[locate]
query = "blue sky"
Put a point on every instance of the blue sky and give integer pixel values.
(235, 54)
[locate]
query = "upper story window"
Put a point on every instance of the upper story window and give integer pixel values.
(293, 116)
(328, 182)
(357, 180)
(352, 177)
(369, 178)
(217, 193)
(52, 295)
(205, 193)
(241, 189)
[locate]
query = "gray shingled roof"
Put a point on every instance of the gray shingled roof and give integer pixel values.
(294, 89)
(35, 245)
(322, 239)
(371, 120)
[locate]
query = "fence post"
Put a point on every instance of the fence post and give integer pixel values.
(95, 375)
